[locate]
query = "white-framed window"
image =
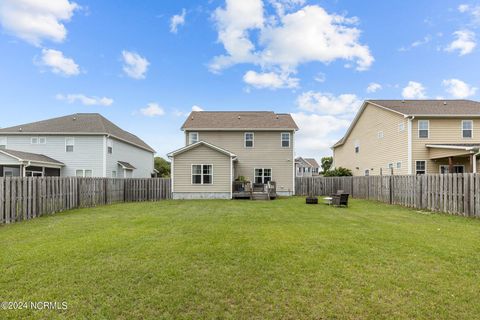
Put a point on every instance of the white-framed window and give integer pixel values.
(285, 137)
(85, 173)
(249, 139)
(69, 144)
(367, 172)
(399, 164)
(390, 165)
(423, 128)
(192, 137)
(420, 167)
(380, 134)
(202, 174)
(357, 146)
(401, 126)
(38, 140)
(467, 129)
(456, 169)
(3, 142)
(114, 174)
(262, 175)
(109, 146)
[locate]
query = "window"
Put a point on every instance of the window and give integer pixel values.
(380, 134)
(367, 172)
(390, 165)
(202, 174)
(249, 139)
(83, 173)
(263, 175)
(3, 142)
(467, 128)
(456, 169)
(34, 140)
(420, 167)
(423, 126)
(114, 174)
(38, 140)
(357, 146)
(192, 137)
(401, 127)
(399, 165)
(69, 143)
(285, 139)
(109, 146)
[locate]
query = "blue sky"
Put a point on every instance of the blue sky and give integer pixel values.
(146, 64)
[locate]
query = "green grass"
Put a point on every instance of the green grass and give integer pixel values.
(244, 259)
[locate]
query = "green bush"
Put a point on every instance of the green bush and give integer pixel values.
(338, 172)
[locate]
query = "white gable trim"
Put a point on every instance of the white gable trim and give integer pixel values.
(196, 144)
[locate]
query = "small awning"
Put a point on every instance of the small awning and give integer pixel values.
(125, 165)
(438, 151)
(31, 159)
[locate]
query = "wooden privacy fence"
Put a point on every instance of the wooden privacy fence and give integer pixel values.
(28, 198)
(451, 193)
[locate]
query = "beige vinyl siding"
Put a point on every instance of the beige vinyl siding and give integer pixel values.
(436, 153)
(441, 131)
(375, 153)
(201, 155)
(266, 153)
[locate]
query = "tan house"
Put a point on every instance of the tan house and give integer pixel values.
(411, 137)
(221, 147)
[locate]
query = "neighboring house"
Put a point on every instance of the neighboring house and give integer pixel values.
(411, 137)
(83, 144)
(306, 167)
(223, 146)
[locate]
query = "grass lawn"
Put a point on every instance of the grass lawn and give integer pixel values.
(244, 259)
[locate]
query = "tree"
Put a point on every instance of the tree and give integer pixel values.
(162, 166)
(326, 164)
(338, 172)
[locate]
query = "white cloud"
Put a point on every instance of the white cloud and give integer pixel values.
(458, 89)
(414, 90)
(326, 103)
(85, 100)
(286, 41)
(317, 133)
(197, 108)
(177, 20)
(270, 80)
(36, 20)
(152, 110)
(465, 42)
(58, 63)
(374, 87)
(320, 77)
(134, 65)
(463, 8)
(474, 11)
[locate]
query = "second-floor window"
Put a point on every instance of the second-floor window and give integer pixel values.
(467, 128)
(192, 137)
(357, 147)
(423, 128)
(286, 139)
(109, 146)
(38, 140)
(3, 142)
(380, 134)
(69, 144)
(249, 137)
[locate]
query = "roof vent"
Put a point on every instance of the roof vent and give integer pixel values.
(20, 129)
(277, 117)
(238, 117)
(444, 103)
(403, 101)
(74, 118)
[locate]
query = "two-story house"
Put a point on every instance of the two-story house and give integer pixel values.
(82, 145)
(411, 137)
(306, 167)
(223, 146)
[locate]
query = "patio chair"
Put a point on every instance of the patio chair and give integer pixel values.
(340, 200)
(339, 192)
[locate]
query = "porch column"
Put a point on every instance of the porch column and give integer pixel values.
(450, 164)
(472, 167)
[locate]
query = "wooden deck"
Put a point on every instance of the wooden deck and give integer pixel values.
(257, 191)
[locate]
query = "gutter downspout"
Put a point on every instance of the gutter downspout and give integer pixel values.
(409, 143)
(474, 169)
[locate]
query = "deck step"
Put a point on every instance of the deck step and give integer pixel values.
(260, 196)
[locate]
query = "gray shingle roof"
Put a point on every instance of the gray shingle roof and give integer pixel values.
(27, 156)
(312, 162)
(126, 165)
(242, 120)
(431, 107)
(80, 123)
